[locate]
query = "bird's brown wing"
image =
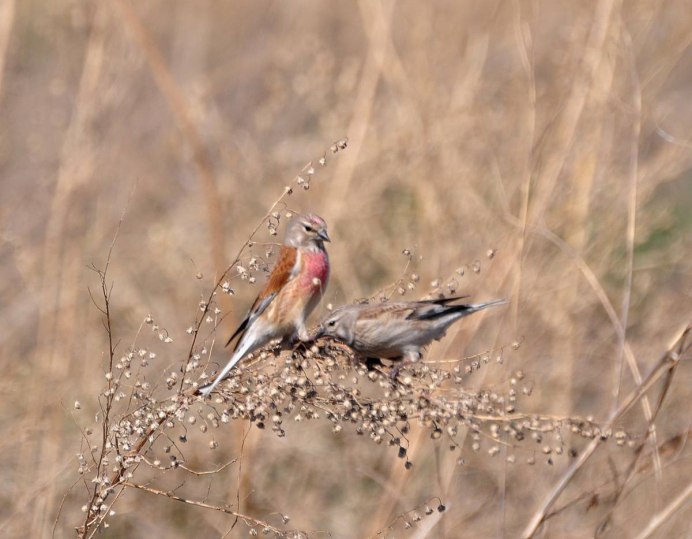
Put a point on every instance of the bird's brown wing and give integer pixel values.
(404, 309)
(442, 301)
(281, 273)
(407, 310)
(384, 311)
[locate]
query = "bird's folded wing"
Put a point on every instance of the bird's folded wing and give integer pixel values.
(430, 308)
(407, 310)
(433, 310)
(380, 312)
(284, 270)
(441, 301)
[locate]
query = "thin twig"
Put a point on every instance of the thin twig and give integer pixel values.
(250, 521)
(650, 432)
(664, 514)
(672, 356)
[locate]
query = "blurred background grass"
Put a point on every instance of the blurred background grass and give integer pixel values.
(555, 133)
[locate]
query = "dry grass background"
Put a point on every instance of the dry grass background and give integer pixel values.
(555, 133)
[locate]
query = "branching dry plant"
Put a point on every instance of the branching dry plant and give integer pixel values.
(148, 415)
(142, 428)
(127, 437)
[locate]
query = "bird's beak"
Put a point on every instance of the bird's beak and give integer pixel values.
(319, 332)
(322, 234)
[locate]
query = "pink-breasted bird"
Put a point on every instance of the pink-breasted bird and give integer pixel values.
(396, 330)
(295, 287)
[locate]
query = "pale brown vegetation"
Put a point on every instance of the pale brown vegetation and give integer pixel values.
(538, 151)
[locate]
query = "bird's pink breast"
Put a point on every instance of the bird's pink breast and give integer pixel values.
(316, 267)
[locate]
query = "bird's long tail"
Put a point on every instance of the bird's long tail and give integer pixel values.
(459, 311)
(475, 307)
(243, 348)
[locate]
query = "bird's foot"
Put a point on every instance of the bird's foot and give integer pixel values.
(295, 343)
(305, 336)
(372, 363)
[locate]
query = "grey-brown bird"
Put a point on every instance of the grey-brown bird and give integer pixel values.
(396, 330)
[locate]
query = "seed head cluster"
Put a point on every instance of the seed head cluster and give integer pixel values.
(326, 384)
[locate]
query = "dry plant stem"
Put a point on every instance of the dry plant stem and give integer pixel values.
(564, 131)
(190, 470)
(424, 528)
(670, 449)
(428, 523)
(7, 10)
(92, 521)
(551, 151)
(668, 362)
(241, 477)
(525, 188)
(664, 514)
(60, 258)
(95, 524)
(499, 275)
(595, 284)
(105, 410)
(378, 18)
(557, 144)
(365, 97)
(62, 504)
(245, 518)
(176, 101)
(633, 174)
(672, 139)
(650, 433)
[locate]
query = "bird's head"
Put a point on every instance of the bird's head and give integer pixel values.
(308, 230)
(339, 324)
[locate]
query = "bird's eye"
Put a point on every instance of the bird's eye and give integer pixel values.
(308, 228)
(331, 323)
